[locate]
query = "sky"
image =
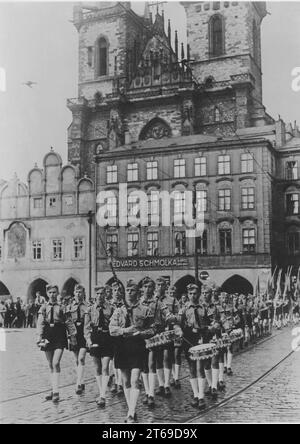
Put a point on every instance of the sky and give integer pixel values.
(39, 43)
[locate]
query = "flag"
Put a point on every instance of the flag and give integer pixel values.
(278, 288)
(257, 288)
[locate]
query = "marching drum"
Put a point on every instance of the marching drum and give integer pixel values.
(236, 335)
(221, 343)
(166, 337)
(202, 351)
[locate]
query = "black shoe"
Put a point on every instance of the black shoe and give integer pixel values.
(49, 397)
(160, 391)
(195, 402)
(145, 400)
(130, 420)
(201, 404)
(101, 403)
(83, 387)
(208, 392)
(225, 370)
(151, 403)
(214, 394)
(55, 397)
(177, 384)
(229, 372)
(114, 389)
(79, 390)
(120, 391)
(168, 393)
(221, 386)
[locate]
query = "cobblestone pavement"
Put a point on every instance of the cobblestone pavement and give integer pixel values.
(24, 380)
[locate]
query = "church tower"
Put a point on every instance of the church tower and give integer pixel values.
(225, 46)
(109, 33)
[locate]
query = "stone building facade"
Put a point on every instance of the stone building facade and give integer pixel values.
(44, 230)
(160, 116)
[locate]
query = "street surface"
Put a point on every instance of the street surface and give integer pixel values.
(24, 381)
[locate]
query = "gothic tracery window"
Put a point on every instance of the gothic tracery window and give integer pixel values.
(216, 36)
(102, 65)
(155, 129)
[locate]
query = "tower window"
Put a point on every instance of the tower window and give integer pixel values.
(255, 42)
(216, 36)
(102, 57)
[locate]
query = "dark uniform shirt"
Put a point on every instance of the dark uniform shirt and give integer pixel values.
(51, 314)
(139, 316)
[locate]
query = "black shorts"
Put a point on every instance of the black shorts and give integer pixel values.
(190, 340)
(105, 345)
(57, 337)
(130, 353)
(81, 342)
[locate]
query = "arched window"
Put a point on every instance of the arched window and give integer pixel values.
(102, 65)
(217, 115)
(216, 36)
(255, 41)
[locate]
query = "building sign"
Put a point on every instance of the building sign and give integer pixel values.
(165, 262)
(204, 275)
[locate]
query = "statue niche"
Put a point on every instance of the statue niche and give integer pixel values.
(155, 129)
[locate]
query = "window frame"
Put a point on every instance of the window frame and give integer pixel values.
(113, 174)
(150, 169)
(249, 237)
(200, 165)
(224, 163)
(131, 171)
(179, 166)
(133, 234)
(227, 251)
(57, 239)
(34, 250)
(224, 199)
(82, 256)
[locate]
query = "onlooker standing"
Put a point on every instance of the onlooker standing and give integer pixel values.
(3, 310)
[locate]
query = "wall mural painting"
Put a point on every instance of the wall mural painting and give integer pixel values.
(16, 238)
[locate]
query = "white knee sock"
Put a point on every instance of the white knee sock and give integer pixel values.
(167, 374)
(201, 387)
(134, 394)
(55, 381)
(119, 377)
(221, 371)
(111, 368)
(127, 395)
(80, 374)
(208, 375)
(173, 371)
(99, 383)
(176, 371)
(51, 380)
(160, 376)
(229, 359)
(146, 382)
(194, 384)
(104, 384)
(215, 378)
(151, 378)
